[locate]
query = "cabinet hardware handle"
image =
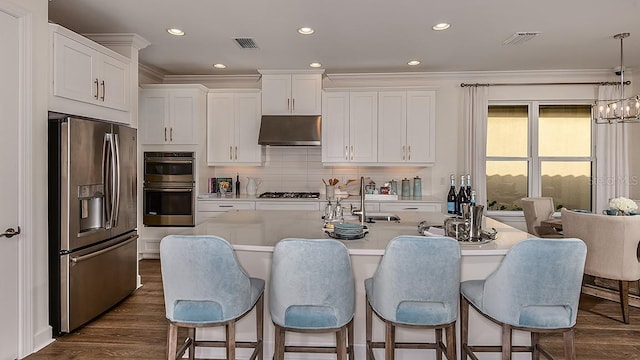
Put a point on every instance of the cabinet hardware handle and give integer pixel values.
(225, 206)
(346, 152)
(293, 105)
(97, 91)
(230, 152)
(103, 90)
(288, 100)
(409, 153)
(165, 134)
(236, 157)
(170, 134)
(353, 153)
(403, 152)
(410, 208)
(10, 232)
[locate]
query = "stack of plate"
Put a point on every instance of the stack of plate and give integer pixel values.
(348, 230)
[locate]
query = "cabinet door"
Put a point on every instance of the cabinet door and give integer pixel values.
(306, 94)
(183, 128)
(113, 83)
(74, 70)
(247, 127)
(220, 128)
(276, 94)
(421, 126)
(392, 120)
(154, 116)
(363, 126)
(335, 127)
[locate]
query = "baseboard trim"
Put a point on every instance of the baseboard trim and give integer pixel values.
(607, 294)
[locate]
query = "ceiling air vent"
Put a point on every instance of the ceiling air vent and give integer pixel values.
(520, 37)
(246, 43)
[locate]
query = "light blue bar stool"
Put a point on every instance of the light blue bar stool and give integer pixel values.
(416, 285)
(312, 290)
(205, 286)
(536, 288)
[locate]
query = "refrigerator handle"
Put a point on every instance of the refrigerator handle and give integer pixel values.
(106, 173)
(116, 170)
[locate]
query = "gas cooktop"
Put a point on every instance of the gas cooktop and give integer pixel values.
(290, 195)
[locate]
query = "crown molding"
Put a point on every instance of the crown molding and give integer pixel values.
(150, 72)
(127, 39)
(209, 78)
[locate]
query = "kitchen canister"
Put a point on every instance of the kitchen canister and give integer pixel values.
(406, 187)
(393, 187)
(417, 187)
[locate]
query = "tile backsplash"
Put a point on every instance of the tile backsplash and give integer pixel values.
(299, 168)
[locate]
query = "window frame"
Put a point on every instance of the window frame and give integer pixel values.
(534, 161)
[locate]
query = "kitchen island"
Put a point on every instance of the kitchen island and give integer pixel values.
(254, 233)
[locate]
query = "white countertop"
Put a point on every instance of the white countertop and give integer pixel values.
(255, 230)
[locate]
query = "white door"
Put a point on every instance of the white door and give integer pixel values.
(9, 154)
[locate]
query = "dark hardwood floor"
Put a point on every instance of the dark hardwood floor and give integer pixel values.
(136, 329)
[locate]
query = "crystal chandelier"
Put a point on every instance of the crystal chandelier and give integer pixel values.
(623, 109)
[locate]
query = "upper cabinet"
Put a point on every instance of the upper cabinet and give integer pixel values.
(172, 114)
(406, 127)
(288, 93)
(89, 79)
(233, 124)
(349, 127)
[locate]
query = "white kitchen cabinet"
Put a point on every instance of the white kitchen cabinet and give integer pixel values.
(233, 124)
(207, 209)
(88, 72)
(349, 127)
(287, 205)
(410, 206)
(172, 114)
(406, 127)
(291, 93)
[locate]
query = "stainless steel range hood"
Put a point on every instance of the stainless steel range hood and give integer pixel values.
(282, 130)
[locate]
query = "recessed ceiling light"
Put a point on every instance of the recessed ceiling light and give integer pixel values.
(441, 26)
(176, 32)
(413, 62)
(306, 31)
(315, 65)
(220, 66)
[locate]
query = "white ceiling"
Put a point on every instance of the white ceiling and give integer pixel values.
(354, 36)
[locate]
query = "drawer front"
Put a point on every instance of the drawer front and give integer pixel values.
(287, 205)
(409, 206)
(225, 205)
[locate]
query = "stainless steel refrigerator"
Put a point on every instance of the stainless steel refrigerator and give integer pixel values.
(92, 218)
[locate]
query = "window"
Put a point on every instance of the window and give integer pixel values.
(536, 149)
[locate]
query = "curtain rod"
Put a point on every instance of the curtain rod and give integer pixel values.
(549, 83)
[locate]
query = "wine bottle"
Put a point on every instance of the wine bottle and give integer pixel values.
(462, 196)
(237, 184)
(451, 196)
(468, 186)
(472, 199)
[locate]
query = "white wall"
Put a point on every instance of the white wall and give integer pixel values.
(35, 307)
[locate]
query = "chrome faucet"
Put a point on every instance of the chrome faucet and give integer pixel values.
(360, 212)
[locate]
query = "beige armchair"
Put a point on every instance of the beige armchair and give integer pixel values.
(537, 209)
(612, 248)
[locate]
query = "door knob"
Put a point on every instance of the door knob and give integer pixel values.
(10, 232)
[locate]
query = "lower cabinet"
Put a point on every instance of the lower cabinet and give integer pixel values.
(287, 205)
(410, 206)
(207, 209)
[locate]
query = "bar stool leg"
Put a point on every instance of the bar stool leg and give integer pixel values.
(389, 341)
(506, 342)
(450, 335)
(438, 342)
(569, 349)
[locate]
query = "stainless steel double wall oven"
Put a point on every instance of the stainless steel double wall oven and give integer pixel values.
(169, 189)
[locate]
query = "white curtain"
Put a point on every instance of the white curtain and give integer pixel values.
(612, 169)
(475, 139)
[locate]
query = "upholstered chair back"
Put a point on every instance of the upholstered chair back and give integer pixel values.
(202, 279)
(417, 276)
(536, 209)
(312, 284)
(537, 276)
(612, 243)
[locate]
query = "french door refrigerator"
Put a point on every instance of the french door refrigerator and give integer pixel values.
(92, 218)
